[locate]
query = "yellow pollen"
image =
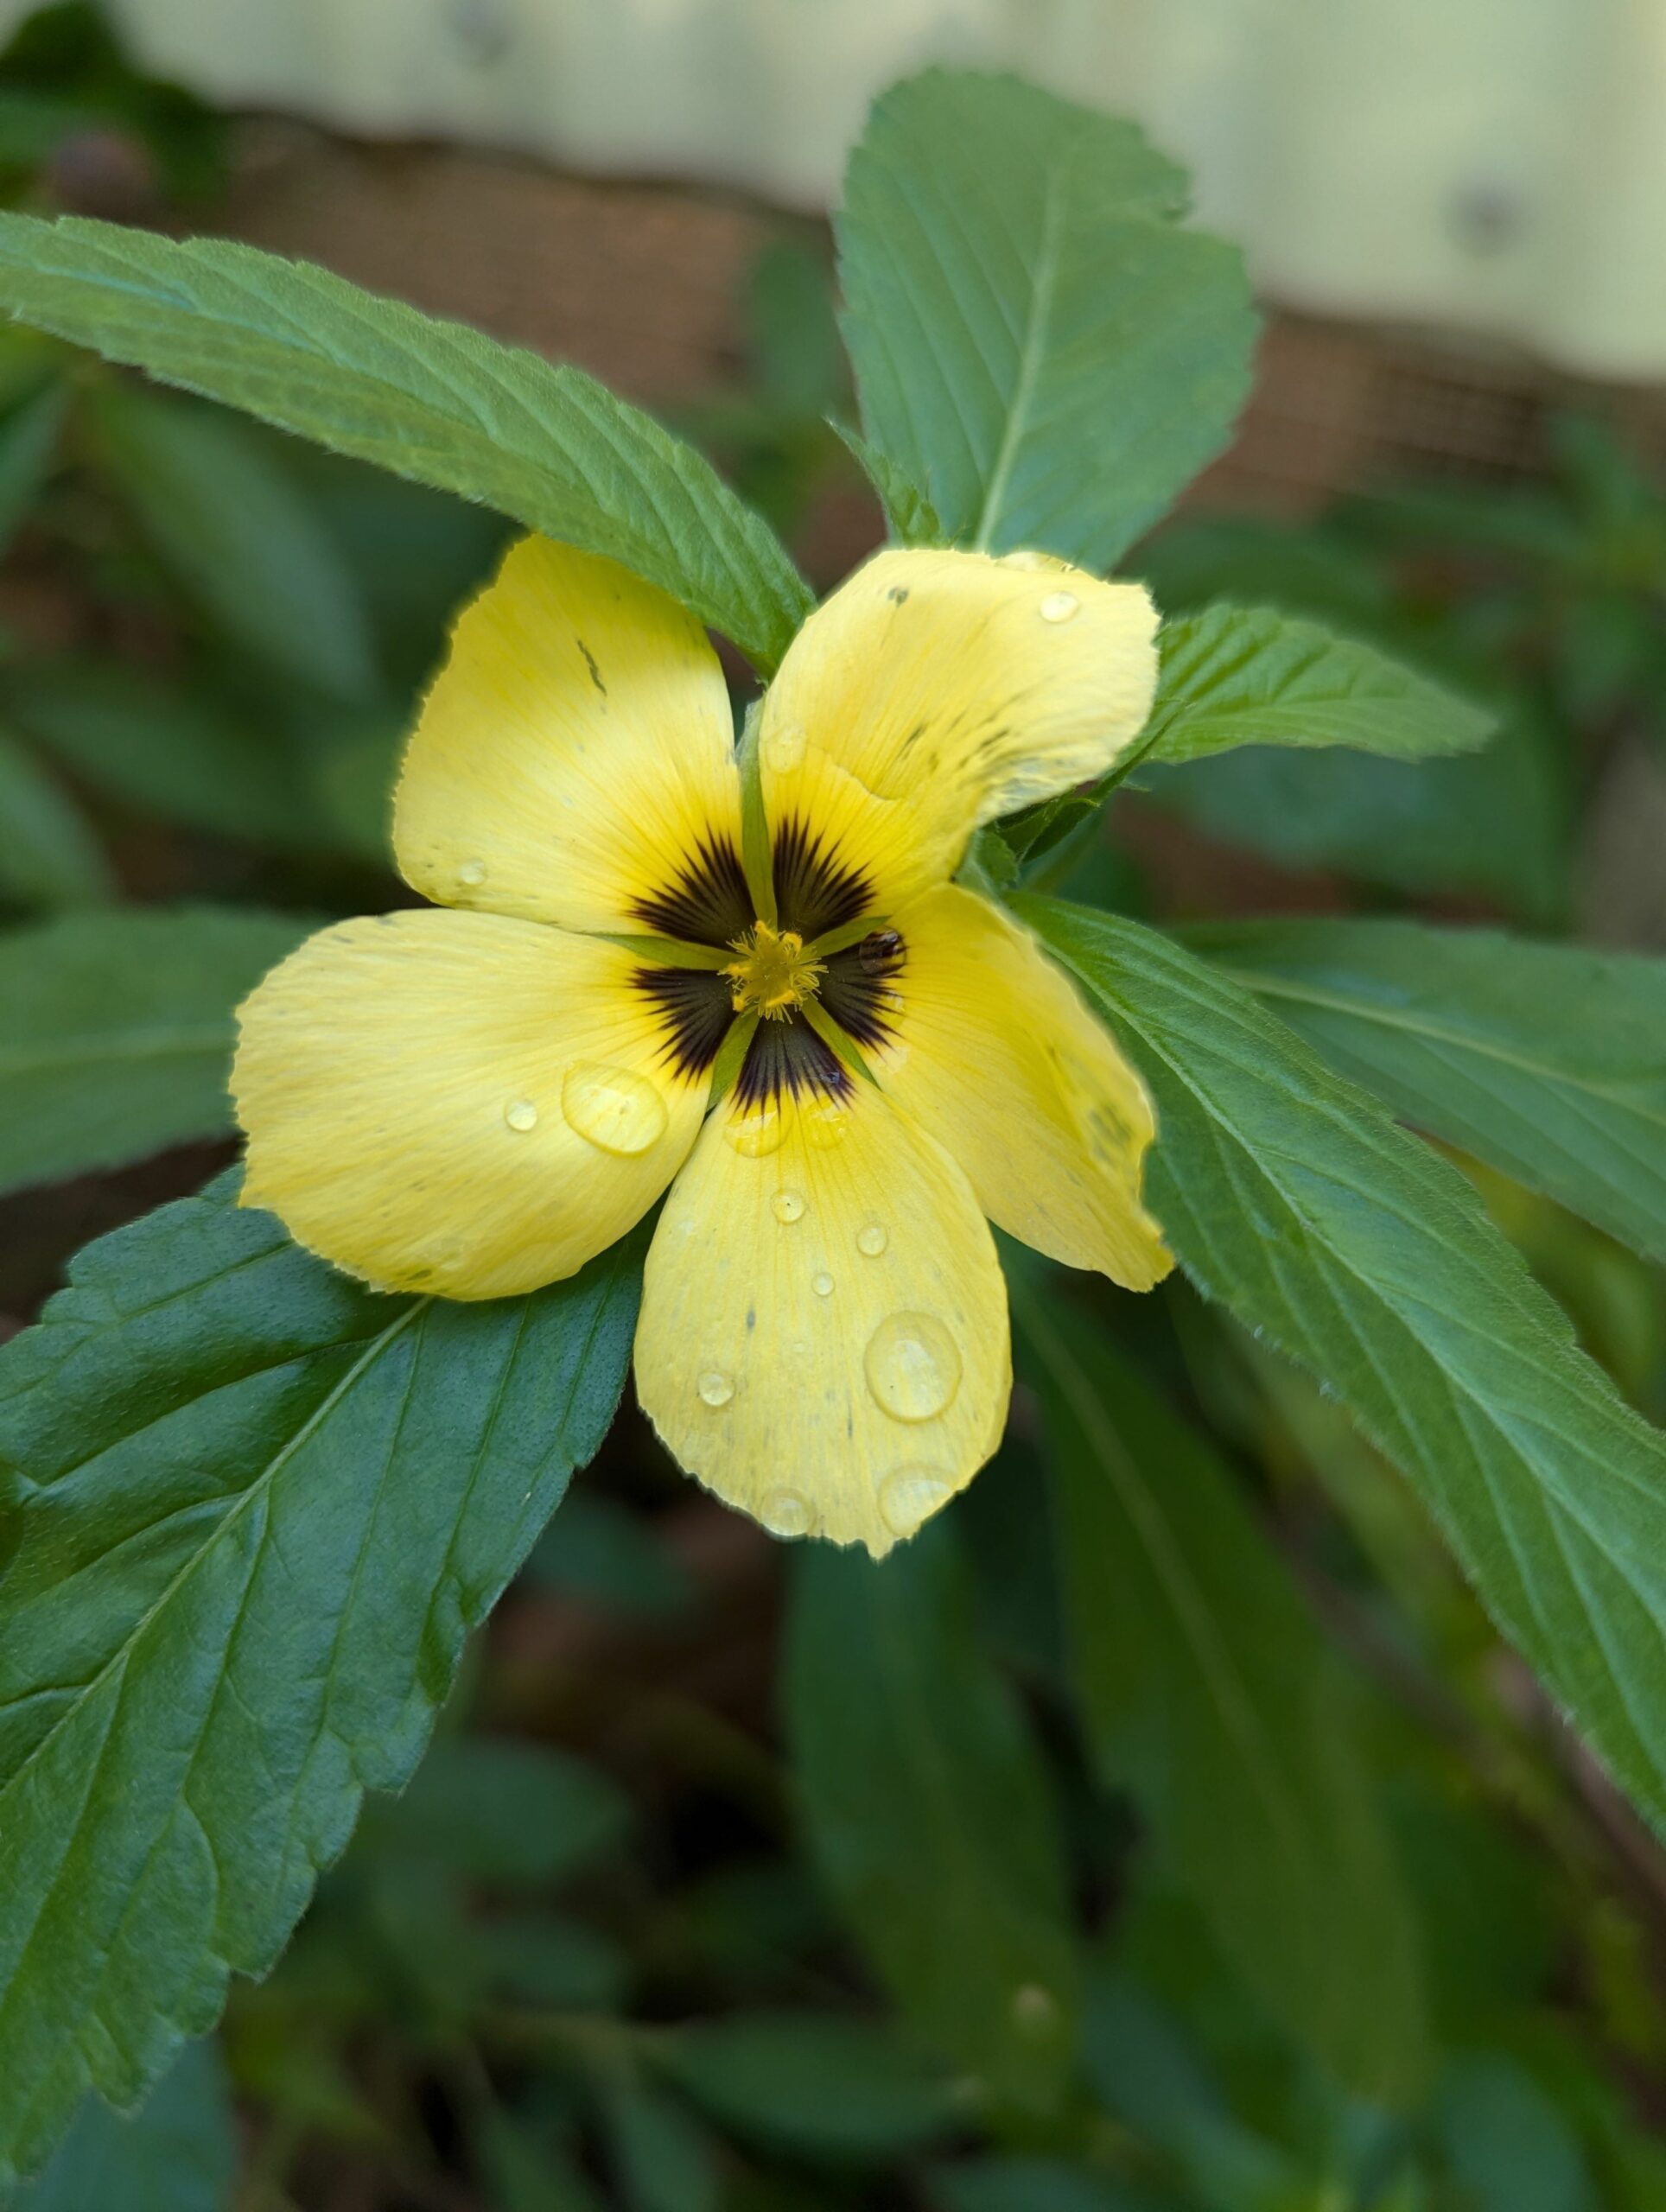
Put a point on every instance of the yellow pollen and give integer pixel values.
(773, 973)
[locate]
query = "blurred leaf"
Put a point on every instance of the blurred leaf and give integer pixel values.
(548, 1960)
(1547, 1061)
(799, 362)
(1251, 676)
(115, 1031)
(166, 751)
(48, 855)
(1207, 1688)
(1037, 345)
(178, 2153)
(927, 1808)
(506, 1812)
(237, 535)
(910, 516)
(664, 2159)
(28, 448)
(1293, 1198)
(603, 1555)
(353, 778)
(529, 2174)
(429, 399)
(816, 2082)
(1509, 2148)
(1308, 569)
(254, 1509)
(1032, 2185)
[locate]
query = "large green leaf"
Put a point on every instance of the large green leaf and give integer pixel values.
(1294, 1199)
(816, 2082)
(429, 399)
(1252, 675)
(1548, 1061)
(239, 535)
(177, 2154)
(927, 1808)
(1038, 345)
(115, 1031)
(251, 1511)
(48, 855)
(28, 448)
(1207, 1687)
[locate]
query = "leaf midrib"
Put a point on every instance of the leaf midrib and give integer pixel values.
(1029, 363)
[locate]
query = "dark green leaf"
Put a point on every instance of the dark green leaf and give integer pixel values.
(429, 399)
(927, 1808)
(664, 2160)
(1508, 2147)
(1037, 345)
(1251, 676)
(816, 2082)
(601, 1554)
(545, 1959)
(910, 516)
(253, 1510)
(1020, 2184)
(28, 447)
(506, 1812)
(239, 535)
(1548, 1061)
(1206, 1688)
(799, 363)
(115, 1031)
(49, 856)
(178, 2153)
(1293, 1198)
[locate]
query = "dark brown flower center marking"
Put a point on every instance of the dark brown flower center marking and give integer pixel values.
(709, 904)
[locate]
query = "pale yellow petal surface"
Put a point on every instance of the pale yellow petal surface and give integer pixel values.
(824, 1339)
(575, 752)
(936, 691)
(460, 1103)
(998, 1057)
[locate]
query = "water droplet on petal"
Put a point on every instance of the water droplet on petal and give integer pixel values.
(824, 1125)
(912, 1366)
(910, 1497)
(784, 748)
(1059, 605)
(787, 1205)
(872, 1241)
(783, 1513)
(753, 1134)
(715, 1388)
(1025, 559)
(521, 1113)
(823, 1286)
(471, 873)
(614, 1108)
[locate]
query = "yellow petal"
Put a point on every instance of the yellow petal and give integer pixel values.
(824, 1338)
(458, 1102)
(935, 690)
(996, 1054)
(574, 761)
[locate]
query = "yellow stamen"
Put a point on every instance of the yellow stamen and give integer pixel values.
(773, 973)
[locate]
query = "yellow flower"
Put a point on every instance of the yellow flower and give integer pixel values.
(475, 1101)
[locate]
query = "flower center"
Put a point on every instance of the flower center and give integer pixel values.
(773, 973)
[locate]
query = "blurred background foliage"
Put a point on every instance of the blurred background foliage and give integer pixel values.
(746, 1881)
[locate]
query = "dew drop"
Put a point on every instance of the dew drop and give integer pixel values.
(786, 1514)
(784, 748)
(1059, 605)
(715, 1388)
(1024, 559)
(824, 1125)
(616, 1110)
(823, 1286)
(912, 1367)
(521, 1113)
(911, 1496)
(787, 1206)
(754, 1135)
(471, 873)
(872, 1241)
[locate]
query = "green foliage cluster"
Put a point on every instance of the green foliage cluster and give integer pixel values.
(1203, 1847)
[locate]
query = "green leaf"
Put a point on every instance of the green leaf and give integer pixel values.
(602, 1555)
(1037, 345)
(28, 448)
(1508, 2147)
(1251, 676)
(927, 1810)
(238, 535)
(1547, 1061)
(427, 399)
(252, 1510)
(177, 2154)
(1032, 2184)
(511, 1814)
(49, 856)
(815, 2081)
(164, 750)
(664, 2159)
(910, 517)
(115, 1031)
(1207, 1688)
(1293, 1198)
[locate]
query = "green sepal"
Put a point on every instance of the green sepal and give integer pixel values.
(847, 934)
(731, 1053)
(843, 1048)
(756, 861)
(671, 951)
